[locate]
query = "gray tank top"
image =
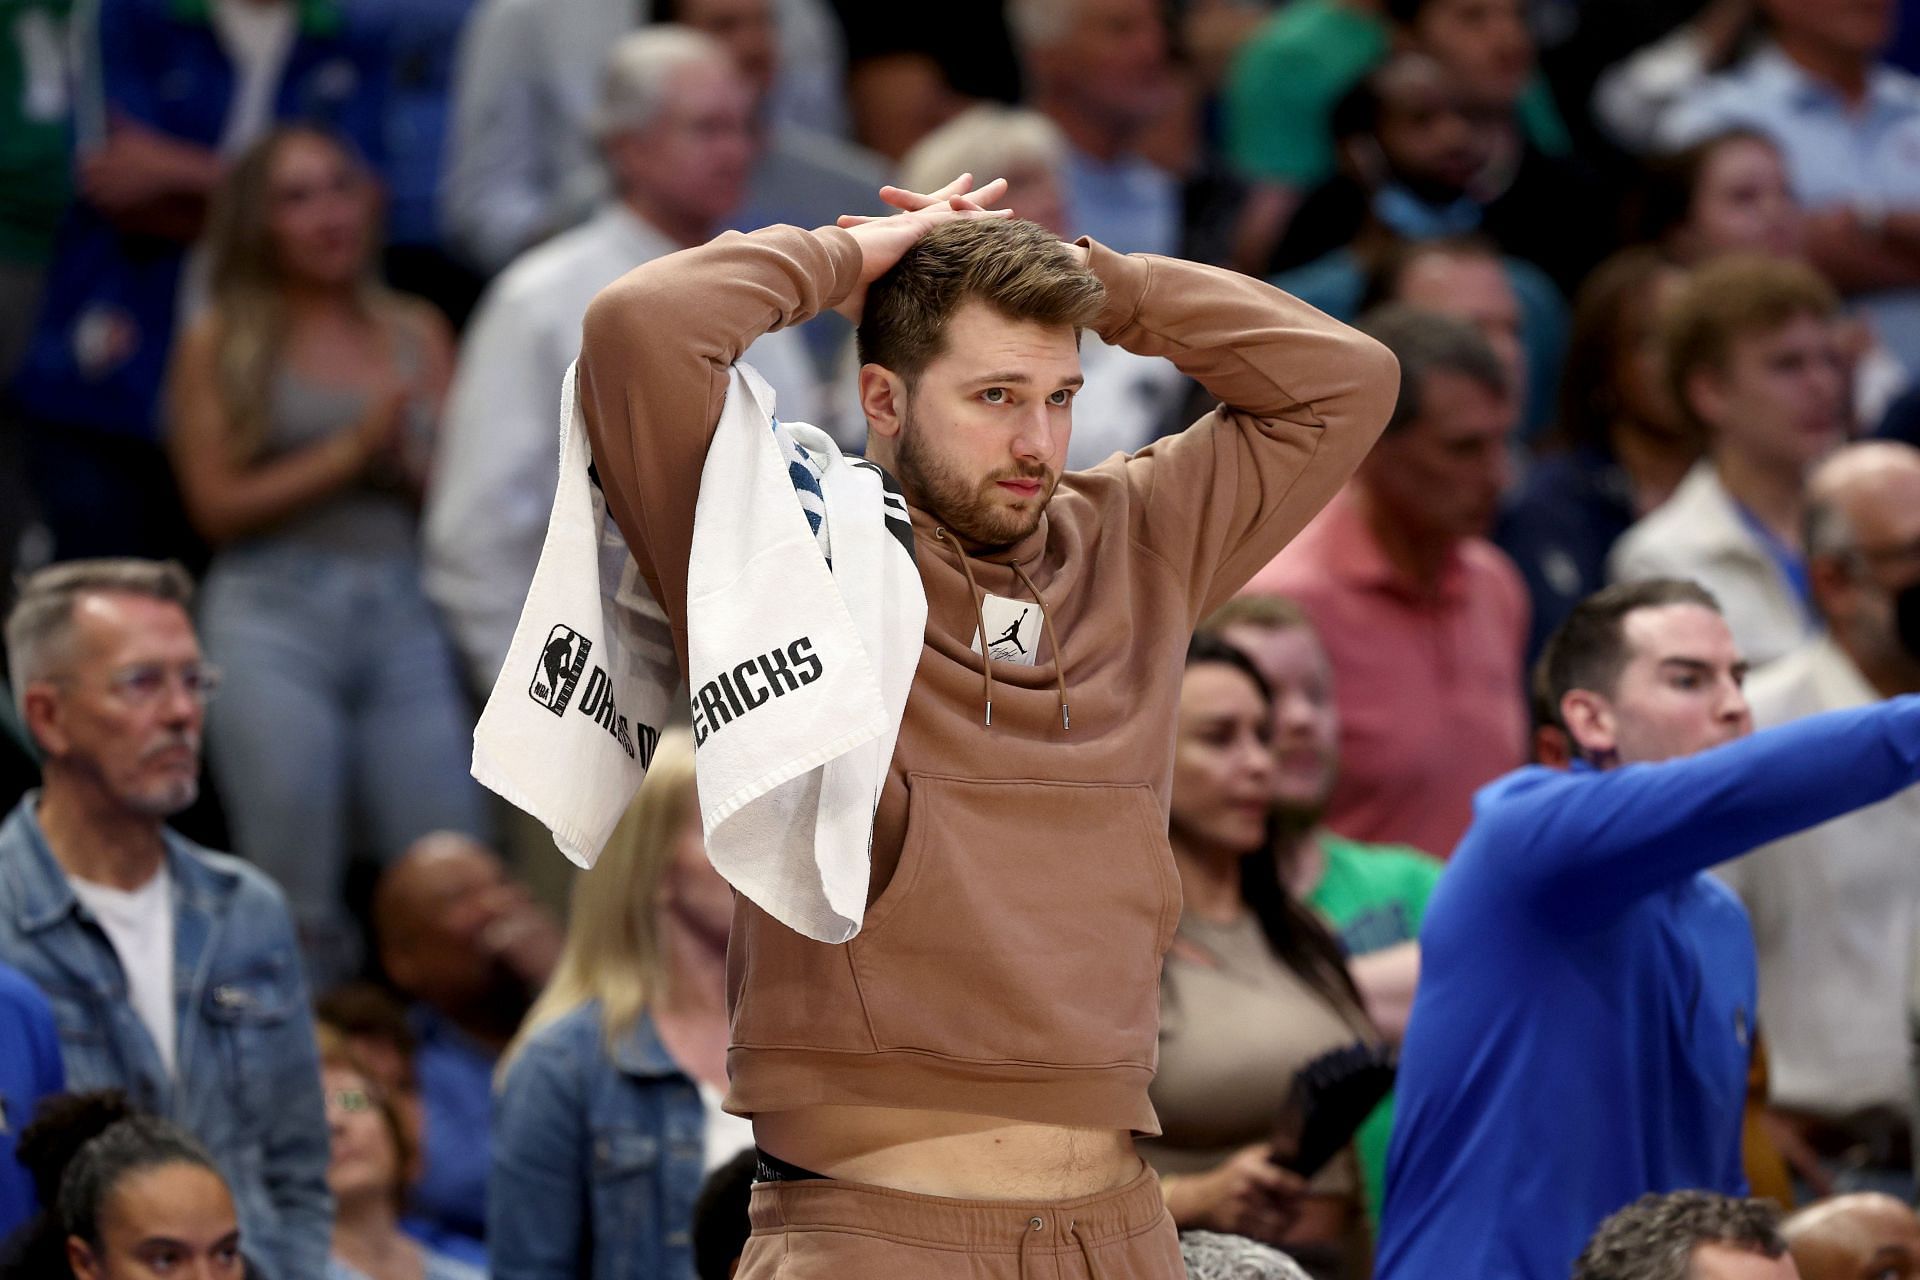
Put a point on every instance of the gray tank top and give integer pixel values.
(374, 517)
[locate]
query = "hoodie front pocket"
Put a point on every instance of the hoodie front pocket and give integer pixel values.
(1024, 924)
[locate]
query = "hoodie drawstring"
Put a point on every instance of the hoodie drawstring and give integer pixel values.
(1059, 658)
(986, 656)
(986, 649)
(1086, 1251)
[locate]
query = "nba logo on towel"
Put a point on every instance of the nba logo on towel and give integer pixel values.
(562, 658)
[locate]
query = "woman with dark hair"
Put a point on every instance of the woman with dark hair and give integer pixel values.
(129, 1195)
(1254, 988)
(1619, 449)
(301, 411)
(1725, 194)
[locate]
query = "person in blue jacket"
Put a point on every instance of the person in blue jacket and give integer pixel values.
(167, 91)
(30, 1070)
(1584, 1020)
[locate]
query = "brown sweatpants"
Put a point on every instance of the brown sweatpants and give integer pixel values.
(832, 1230)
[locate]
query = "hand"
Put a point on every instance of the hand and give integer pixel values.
(379, 435)
(138, 165)
(884, 240)
(522, 935)
(1246, 1194)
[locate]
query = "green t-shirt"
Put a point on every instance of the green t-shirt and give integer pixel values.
(1374, 896)
(1286, 79)
(1284, 82)
(35, 110)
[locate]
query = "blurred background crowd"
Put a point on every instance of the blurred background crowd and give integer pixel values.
(287, 290)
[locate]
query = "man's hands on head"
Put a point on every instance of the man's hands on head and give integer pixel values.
(885, 238)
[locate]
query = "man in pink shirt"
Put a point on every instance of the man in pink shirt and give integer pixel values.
(1425, 620)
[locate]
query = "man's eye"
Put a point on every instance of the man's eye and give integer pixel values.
(994, 395)
(1062, 397)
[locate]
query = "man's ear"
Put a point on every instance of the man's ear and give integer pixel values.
(883, 398)
(1590, 723)
(45, 726)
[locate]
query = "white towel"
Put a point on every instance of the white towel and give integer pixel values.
(805, 620)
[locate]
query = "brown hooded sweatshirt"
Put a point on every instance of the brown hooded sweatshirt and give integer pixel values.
(1023, 890)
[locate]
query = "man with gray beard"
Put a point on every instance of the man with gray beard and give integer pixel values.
(172, 970)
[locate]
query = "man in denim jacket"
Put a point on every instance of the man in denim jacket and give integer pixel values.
(171, 970)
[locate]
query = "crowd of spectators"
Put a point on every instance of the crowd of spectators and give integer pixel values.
(288, 291)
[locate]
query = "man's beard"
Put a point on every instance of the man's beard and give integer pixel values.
(962, 507)
(166, 799)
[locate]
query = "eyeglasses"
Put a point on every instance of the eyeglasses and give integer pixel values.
(143, 686)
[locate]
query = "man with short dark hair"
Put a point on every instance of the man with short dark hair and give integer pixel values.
(984, 1044)
(1425, 620)
(1689, 1235)
(172, 970)
(1584, 1021)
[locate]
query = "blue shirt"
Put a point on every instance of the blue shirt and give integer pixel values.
(29, 1071)
(455, 1074)
(1130, 205)
(248, 1078)
(600, 1157)
(1582, 1030)
(1558, 528)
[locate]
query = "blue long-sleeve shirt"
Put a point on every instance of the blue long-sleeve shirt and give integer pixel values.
(1582, 1028)
(29, 1071)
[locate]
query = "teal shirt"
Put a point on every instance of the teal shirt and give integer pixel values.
(1284, 82)
(1374, 896)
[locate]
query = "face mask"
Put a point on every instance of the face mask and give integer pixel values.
(1414, 219)
(1906, 617)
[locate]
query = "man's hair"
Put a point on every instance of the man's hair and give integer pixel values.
(1387, 270)
(988, 138)
(1589, 649)
(1654, 1237)
(40, 625)
(1211, 1256)
(1039, 24)
(1426, 342)
(1733, 297)
(1018, 268)
(639, 72)
(1260, 612)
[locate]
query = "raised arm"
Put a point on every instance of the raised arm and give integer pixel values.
(653, 375)
(1303, 397)
(1583, 847)
(653, 360)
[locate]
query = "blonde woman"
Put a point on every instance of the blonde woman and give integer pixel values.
(609, 1108)
(299, 411)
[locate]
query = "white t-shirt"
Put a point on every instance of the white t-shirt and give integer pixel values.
(139, 924)
(258, 38)
(727, 1135)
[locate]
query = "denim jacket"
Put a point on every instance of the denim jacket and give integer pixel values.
(597, 1158)
(248, 1078)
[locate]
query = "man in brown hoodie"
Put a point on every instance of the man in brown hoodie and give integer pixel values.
(966, 1075)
